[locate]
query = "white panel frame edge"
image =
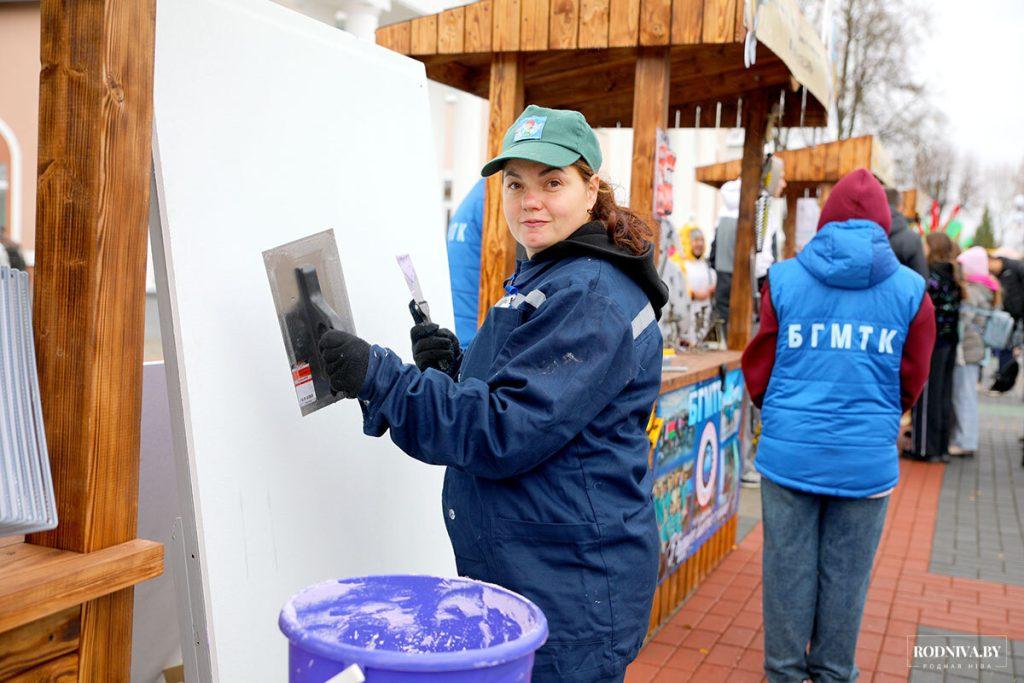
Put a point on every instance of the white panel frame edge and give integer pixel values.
(410, 213)
(190, 580)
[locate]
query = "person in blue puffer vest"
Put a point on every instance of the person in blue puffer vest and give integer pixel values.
(465, 230)
(541, 423)
(843, 350)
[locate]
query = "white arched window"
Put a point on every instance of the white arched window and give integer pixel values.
(10, 185)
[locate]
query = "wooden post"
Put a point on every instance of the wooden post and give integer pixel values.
(824, 190)
(789, 225)
(650, 111)
(497, 248)
(741, 316)
(95, 123)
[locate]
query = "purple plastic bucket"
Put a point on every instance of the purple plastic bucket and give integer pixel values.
(412, 629)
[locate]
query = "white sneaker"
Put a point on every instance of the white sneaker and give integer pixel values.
(751, 480)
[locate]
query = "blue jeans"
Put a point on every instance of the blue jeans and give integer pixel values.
(817, 558)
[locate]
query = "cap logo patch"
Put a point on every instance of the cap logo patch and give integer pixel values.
(530, 129)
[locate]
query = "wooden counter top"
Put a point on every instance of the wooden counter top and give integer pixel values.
(689, 368)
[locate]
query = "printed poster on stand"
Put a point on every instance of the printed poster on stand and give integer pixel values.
(697, 465)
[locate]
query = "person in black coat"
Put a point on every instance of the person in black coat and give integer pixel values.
(1010, 273)
(932, 419)
(904, 242)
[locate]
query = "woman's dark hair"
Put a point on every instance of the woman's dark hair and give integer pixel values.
(625, 228)
(940, 248)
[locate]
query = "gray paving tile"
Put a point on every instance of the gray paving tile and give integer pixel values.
(979, 530)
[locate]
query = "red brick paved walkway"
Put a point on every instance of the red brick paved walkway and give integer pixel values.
(717, 635)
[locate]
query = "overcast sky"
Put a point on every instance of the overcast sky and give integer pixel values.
(975, 59)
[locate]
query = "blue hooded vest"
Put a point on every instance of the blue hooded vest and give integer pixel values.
(465, 230)
(832, 409)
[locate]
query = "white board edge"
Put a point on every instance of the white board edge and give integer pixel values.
(197, 609)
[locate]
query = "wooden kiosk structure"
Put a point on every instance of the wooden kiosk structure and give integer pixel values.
(812, 170)
(645, 64)
(66, 595)
(628, 63)
(916, 204)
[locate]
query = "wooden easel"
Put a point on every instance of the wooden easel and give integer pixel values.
(66, 595)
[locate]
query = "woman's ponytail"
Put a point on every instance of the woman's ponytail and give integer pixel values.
(626, 229)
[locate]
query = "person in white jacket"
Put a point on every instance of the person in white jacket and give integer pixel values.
(723, 250)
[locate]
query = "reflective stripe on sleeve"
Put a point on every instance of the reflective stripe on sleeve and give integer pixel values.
(644, 318)
(536, 298)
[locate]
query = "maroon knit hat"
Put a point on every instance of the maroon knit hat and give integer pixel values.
(857, 195)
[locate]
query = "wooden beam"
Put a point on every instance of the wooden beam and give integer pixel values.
(497, 248)
(39, 641)
(740, 33)
(505, 25)
(36, 581)
(533, 25)
(565, 19)
(385, 36)
(624, 23)
(650, 112)
(687, 21)
(741, 299)
(455, 74)
(451, 31)
(403, 38)
(95, 121)
(593, 24)
(95, 127)
(655, 22)
(61, 670)
(424, 35)
(103, 632)
(789, 225)
(719, 21)
(478, 26)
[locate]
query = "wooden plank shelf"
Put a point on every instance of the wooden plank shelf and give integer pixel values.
(689, 368)
(36, 581)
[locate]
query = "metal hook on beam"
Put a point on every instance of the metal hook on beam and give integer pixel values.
(803, 103)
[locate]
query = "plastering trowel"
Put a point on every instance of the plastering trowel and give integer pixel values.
(309, 295)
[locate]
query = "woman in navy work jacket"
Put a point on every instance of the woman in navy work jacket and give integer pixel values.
(541, 423)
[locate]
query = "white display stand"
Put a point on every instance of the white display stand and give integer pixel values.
(156, 644)
(268, 127)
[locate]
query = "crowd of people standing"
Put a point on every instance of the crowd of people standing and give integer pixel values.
(978, 300)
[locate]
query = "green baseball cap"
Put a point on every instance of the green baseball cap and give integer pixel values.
(556, 137)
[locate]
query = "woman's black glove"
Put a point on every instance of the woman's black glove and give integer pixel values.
(346, 357)
(435, 347)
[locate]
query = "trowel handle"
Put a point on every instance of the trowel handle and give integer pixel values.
(419, 316)
(352, 674)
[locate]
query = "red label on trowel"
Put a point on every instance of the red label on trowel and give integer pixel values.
(302, 375)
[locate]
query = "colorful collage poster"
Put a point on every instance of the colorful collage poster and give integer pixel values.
(697, 465)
